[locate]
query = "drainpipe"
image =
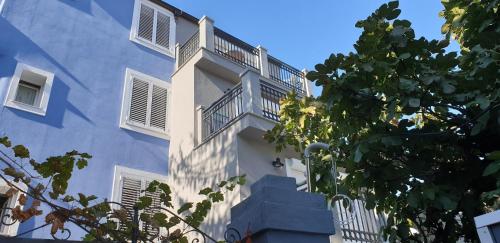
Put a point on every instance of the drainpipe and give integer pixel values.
(307, 155)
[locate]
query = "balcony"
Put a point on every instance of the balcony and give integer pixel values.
(225, 45)
(260, 79)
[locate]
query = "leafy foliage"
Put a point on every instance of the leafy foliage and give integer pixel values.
(416, 128)
(99, 218)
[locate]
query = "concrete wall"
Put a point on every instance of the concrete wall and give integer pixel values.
(209, 87)
(184, 30)
(86, 45)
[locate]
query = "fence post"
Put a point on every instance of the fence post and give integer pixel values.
(206, 26)
(276, 212)
(250, 92)
(135, 225)
(199, 124)
(264, 64)
(306, 84)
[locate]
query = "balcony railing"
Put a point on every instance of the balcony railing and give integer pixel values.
(221, 43)
(286, 75)
(271, 96)
(235, 49)
(189, 48)
(222, 112)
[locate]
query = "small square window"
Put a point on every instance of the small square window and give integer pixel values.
(29, 89)
(27, 93)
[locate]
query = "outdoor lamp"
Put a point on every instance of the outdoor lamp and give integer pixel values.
(277, 163)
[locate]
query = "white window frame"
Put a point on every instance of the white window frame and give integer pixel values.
(43, 94)
(134, 35)
(125, 123)
(12, 202)
(143, 176)
(2, 3)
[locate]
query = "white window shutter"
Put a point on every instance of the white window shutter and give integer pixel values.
(159, 99)
(146, 22)
(163, 30)
(131, 191)
(139, 101)
(155, 196)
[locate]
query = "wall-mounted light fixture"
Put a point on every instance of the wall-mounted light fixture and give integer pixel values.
(277, 163)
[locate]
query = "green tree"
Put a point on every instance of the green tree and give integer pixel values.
(46, 184)
(416, 128)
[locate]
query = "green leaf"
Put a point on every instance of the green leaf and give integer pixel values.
(429, 193)
(144, 202)
(414, 102)
(413, 199)
(495, 155)
(5, 141)
(492, 168)
(447, 202)
(447, 87)
(81, 163)
(184, 207)
(407, 84)
(481, 124)
(405, 55)
(391, 141)
(358, 155)
(21, 152)
(206, 191)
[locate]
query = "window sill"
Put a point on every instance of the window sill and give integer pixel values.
(151, 132)
(149, 45)
(25, 107)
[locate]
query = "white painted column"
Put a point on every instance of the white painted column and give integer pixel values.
(307, 85)
(251, 94)
(206, 26)
(264, 64)
(199, 125)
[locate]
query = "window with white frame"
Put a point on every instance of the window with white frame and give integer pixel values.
(29, 89)
(154, 27)
(130, 184)
(9, 200)
(145, 104)
(2, 3)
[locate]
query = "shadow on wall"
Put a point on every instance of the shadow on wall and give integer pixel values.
(121, 14)
(58, 103)
(204, 167)
(83, 6)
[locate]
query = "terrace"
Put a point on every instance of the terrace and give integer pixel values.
(260, 79)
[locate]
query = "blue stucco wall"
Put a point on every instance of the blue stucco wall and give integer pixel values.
(86, 45)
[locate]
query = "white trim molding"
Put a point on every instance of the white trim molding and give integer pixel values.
(146, 128)
(2, 3)
(36, 77)
(134, 29)
(483, 226)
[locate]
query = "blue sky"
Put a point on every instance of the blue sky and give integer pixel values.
(305, 32)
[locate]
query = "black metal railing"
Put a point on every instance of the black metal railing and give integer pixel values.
(235, 49)
(189, 48)
(222, 112)
(360, 224)
(286, 75)
(271, 96)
